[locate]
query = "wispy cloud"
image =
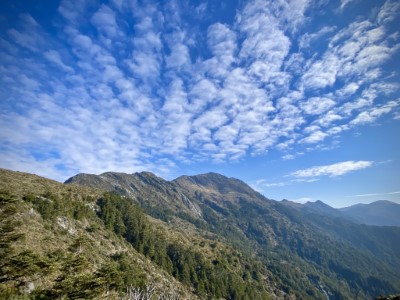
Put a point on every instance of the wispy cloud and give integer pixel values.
(344, 3)
(302, 200)
(307, 39)
(388, 11)
(288, 157)
(376, 194)
(55, 58)
(262, 185)
(332, 170)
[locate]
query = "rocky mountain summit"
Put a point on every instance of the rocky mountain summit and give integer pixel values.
(145, 188)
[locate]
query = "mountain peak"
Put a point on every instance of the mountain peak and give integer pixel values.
(215, 181)
(317, 203)
(81, 177)
(146, 174)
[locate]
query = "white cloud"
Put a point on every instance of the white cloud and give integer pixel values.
(144, 65)
(142, 86)
(344, 3)
(328, 118)
(290, 13)
(104, 20)
(348, 90)
(55, 57)
(222, 43)
(265, 41)
(376, 194)
(201, 8)
(261, 184)
(322, 73)
(374, 113)
(308, 38)
(388, 12)
(355, 50)
(314, 137)
(29, 34)
(317, 105)
(333, 170)
(146, 59)
(72, 10)
(302, 200)
(288, 157)
(179, 56)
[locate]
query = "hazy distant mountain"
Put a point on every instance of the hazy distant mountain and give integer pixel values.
(379, 213)
(376, 213)
(319, 207)
(309, 250)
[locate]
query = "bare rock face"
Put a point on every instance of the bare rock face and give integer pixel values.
(65, 224)
(145, 188)
(185, 194)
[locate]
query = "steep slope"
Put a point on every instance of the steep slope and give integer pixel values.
(320, 207)
(307, 258)
(65, 241)
(382, 242)
(54, 245)
(215, 182)
(382, 213)
(283, 233)
(154, 193)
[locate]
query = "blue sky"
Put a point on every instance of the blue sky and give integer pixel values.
(298, 98)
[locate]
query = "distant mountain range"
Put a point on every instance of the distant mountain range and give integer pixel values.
(380, 213)
(201, 237)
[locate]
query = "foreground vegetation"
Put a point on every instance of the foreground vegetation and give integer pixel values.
(207, 238)
(58, 242)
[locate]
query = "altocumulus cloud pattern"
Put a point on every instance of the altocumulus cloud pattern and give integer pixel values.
(125, 85)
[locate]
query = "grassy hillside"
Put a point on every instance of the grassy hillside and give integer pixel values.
(60, 241)
(54, 245)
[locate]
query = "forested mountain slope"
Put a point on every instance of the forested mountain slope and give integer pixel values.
(383, 213)
(381, 241)
(308, 257)
(68, 242)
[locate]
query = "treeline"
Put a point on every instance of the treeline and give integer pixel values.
(211, 280)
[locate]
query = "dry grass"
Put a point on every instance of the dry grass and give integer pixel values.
(22, 184)
(44, 237)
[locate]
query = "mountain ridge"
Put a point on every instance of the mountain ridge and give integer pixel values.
(68, 241)
(274, 232)
(379, 213)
